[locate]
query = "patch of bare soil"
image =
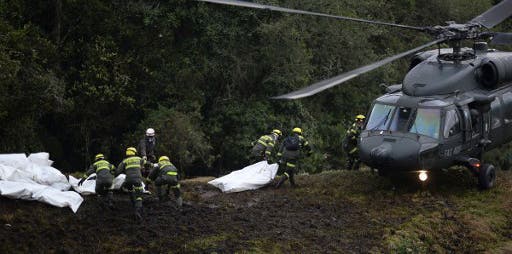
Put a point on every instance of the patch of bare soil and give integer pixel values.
(336, 212)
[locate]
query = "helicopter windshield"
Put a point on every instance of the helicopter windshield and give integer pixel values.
(380, 117)
(427, 122)
(423, 121)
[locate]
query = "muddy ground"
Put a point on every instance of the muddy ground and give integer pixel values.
(331, 212)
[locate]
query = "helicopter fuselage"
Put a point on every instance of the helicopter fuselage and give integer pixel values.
(443, 114)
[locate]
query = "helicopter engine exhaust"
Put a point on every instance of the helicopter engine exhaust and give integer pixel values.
(494, 72)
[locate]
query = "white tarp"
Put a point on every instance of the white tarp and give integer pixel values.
(89, 185)
(33, 178)
(249, 178)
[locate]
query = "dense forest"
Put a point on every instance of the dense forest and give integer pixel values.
(82, 77)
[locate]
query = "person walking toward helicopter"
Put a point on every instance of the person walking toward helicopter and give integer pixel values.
(291, 150)
(265, 147)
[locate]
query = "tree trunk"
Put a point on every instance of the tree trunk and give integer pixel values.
(57, 4)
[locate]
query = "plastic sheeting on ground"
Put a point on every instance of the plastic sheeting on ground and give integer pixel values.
(89, 185)
(33, 178)
(249, 178)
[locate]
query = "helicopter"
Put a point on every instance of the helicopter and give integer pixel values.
(453, 105)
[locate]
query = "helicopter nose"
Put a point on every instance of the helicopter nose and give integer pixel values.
(382, 153)
(394, 153)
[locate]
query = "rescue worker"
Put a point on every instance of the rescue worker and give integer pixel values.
(146, 150)
(291, 150)
(131, 166)
(350, 143)
(104, 178)
(165, 177)
(265, 146)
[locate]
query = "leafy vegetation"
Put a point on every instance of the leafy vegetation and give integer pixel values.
(82, 77)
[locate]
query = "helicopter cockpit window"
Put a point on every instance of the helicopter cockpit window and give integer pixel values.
(427, 122)
(380, 117)
(451, 124)
(400, 119)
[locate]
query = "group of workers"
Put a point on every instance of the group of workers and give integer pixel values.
(164, 174)
(141, 162)
(287, 153)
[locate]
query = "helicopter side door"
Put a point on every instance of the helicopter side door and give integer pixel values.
(452, 133)
(496, 126)
(506, 112)
(480, 129)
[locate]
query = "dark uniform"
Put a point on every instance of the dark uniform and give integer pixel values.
(146, 150)
(290, 157)
(131, 166)
(265, 146)
(350, 143)
(104, 178)
(165, 176)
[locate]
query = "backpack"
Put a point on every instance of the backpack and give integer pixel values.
(292, 143)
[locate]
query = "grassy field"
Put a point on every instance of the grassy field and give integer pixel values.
(331, 212)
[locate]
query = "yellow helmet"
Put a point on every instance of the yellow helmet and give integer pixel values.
(297, 130)
(99, 156)
(276, 131)
(163, 158)
(360, 117)
(130, 151)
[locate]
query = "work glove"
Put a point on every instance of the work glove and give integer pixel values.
(145, 158)
(81, 182)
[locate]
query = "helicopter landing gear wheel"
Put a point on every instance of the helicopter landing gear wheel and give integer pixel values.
(487, 176)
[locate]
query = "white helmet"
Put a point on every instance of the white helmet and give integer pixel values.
(150, 132)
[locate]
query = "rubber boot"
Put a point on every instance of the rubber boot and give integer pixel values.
(292, 181)
(350, 164)
(357, 165)
(110, 200)
(138, 210)
(132, 198)
(179, 199)
(281, 181)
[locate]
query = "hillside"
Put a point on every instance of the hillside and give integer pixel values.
(331, 212)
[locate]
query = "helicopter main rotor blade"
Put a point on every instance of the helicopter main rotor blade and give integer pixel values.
(501, 38)
(328, 83)
(287, 10)
(494, 15)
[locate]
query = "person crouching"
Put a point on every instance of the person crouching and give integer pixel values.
(165, 176)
